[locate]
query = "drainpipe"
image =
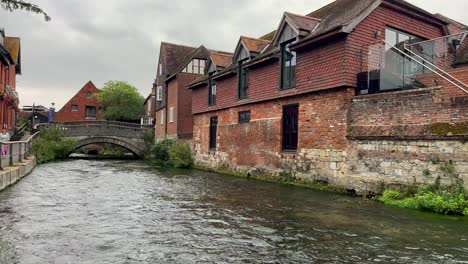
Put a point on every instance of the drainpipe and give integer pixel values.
(165, 110)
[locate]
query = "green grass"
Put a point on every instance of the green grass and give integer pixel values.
(447, 202)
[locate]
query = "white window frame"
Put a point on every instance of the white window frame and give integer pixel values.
(159, 93)
(171, 115)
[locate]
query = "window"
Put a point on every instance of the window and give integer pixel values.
(162, 117)
(74, 108)
(399, 70)
(212, 92)
(159, 93)
(160, 69)
(171, 115)
(196, 66)
(288, 66)
(243, 81)
(244, 117)
(290, 127)
(90, 112)
(213, 132)
(89, 95)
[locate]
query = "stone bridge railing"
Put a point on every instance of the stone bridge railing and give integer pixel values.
(103, 129)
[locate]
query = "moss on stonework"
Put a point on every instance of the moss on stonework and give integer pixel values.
(444, 129)
(291, 181)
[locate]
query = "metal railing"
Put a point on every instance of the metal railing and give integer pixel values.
(410, 64)
(15, 151)
(103, 128)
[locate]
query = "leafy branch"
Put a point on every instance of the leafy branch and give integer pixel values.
(12, 5)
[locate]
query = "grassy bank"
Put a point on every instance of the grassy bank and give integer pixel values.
(52, 145)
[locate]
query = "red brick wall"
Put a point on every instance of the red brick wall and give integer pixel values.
(184, 110)
(316, 69)
(7, 111)
(404, 114)
(160, 129)
(322, 125)
(449, 90)
(172, 102)
(67, 115)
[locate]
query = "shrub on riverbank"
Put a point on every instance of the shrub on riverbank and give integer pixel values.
(52, 145)
(180, 155)
(159, 152)
(443, 201)
(170, 152)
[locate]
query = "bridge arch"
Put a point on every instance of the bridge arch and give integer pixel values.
(127, 144)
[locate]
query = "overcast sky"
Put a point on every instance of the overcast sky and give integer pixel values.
(103, 40)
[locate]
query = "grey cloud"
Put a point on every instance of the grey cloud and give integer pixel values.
(119, 39)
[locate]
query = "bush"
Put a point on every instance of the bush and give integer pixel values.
(52, 145)
(442, 201)
(159, 152)
(180, 155)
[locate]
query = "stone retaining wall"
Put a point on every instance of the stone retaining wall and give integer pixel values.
(365, 166)
(11, 175)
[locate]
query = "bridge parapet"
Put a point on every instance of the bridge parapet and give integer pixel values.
(103, 129)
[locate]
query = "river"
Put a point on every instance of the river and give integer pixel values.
(83, 211)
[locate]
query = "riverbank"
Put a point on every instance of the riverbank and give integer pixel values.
(10, 175)
(438, 201)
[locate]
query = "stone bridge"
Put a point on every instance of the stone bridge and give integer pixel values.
(127, 135)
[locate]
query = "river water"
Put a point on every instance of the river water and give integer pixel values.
(82, 211)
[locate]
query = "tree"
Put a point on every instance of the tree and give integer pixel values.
(12, 5)
(121, 101)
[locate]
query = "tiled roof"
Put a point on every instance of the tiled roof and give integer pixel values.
(12, 44)
(344, 13)
(221, 59)
(173, 55)
(306, 23)
(269, 36)
(451, 21)
(198, 53)
(254, 45)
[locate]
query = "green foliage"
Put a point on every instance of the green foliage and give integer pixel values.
(52, 145)
(444, 129)
(180, 155)
(159, 152)
(12, 5)
(443, 201)
(121, 101)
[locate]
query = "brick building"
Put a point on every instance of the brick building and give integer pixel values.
(178, 67)
(150, 110)
(83, 106)
(10, 66)
(347, 94)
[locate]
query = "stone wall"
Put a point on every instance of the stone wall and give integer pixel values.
(11, 175)
(360, 143)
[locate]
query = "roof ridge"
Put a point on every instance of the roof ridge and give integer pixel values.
(242, 36)
(179, 45)
(307, 17)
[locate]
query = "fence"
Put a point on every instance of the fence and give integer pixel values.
(15, 151)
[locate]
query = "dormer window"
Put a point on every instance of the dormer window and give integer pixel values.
(243, 86)
(288, 66)
(211, 91)
(196, 66)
